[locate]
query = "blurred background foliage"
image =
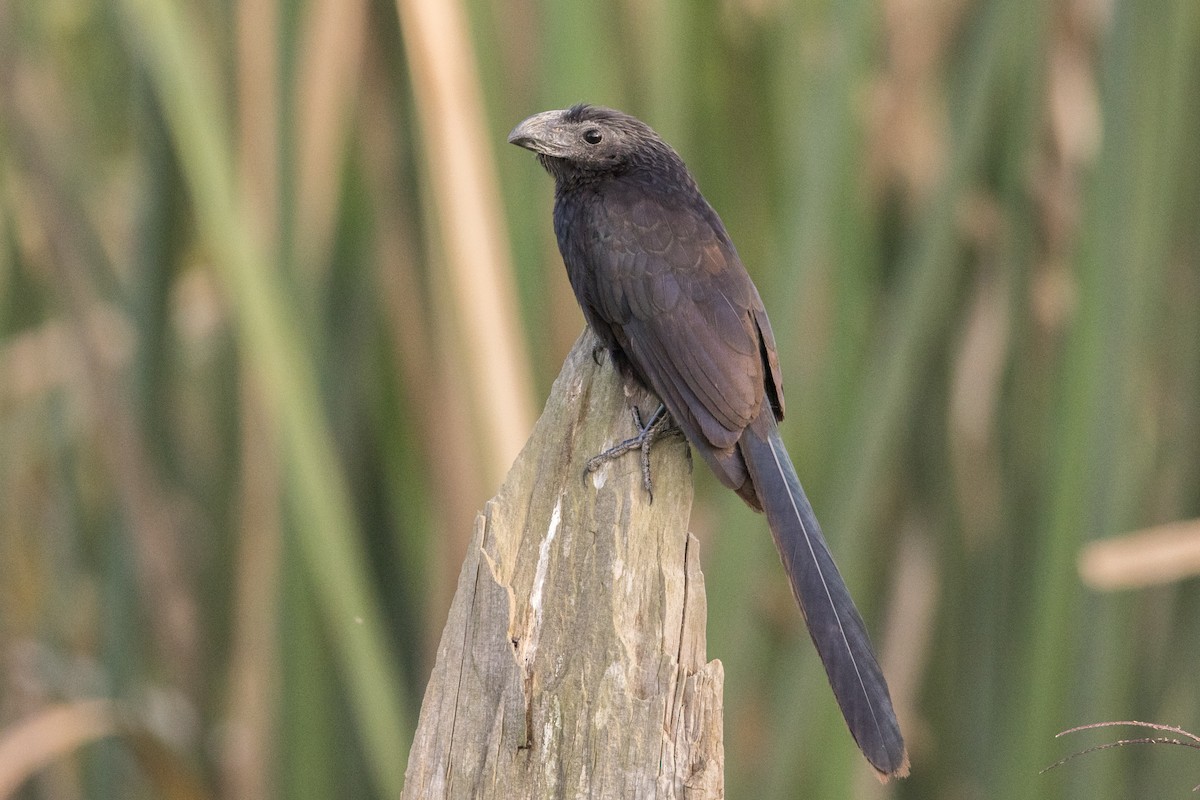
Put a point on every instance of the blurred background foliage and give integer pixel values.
(278, 307)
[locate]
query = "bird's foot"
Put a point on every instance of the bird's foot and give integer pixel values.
(659, 424)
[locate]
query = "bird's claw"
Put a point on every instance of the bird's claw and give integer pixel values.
(659, 424)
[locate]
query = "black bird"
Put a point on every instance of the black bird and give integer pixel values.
(662, 286)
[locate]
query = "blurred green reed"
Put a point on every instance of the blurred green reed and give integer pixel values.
(278, 305)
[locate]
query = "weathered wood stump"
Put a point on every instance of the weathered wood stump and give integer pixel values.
(573, 661)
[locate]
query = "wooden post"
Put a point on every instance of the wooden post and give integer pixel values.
(573, 661)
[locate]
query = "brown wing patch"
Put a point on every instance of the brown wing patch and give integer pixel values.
(700, 349)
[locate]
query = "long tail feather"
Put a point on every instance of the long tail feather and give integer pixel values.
(834, 623)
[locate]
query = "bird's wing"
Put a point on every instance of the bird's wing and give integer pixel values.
(671, 286)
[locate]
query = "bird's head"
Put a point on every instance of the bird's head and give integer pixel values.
(584, 140)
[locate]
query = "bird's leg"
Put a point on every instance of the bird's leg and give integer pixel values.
(659, 424)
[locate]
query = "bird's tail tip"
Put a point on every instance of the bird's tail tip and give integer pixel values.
(900, 771)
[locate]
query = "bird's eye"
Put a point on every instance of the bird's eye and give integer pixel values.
(592, 136)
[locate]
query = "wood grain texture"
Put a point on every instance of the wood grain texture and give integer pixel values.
(573, 660)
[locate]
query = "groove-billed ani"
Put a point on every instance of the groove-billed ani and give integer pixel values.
(662, 286)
